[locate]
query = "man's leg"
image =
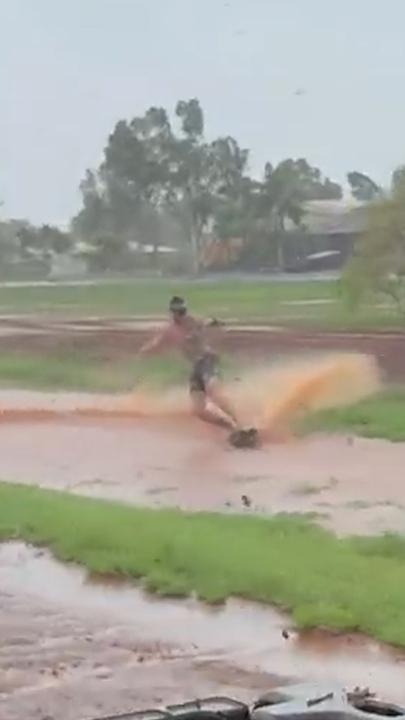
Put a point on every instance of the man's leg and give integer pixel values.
(199, 406)
(215, 392)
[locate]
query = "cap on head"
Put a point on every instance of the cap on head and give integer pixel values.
(178, 305)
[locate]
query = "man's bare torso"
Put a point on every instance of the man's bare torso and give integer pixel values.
(189, 336)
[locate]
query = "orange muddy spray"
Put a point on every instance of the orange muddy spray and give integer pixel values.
(268, 398)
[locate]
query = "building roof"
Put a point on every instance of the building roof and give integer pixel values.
(330, 217)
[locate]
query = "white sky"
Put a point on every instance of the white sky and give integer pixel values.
(69, 69)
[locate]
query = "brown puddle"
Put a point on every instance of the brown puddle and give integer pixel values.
(246, 635)
(337, 479)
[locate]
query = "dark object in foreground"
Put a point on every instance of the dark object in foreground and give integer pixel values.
(211, 708)
(291, 702)
(317, 702)
(246, 501)
(246, 438)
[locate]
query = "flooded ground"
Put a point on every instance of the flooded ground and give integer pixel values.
(72, 648)
(350, 485)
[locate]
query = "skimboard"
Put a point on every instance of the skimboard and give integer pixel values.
(247, 438)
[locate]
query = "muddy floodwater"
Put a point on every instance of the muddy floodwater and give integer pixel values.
(72, 647)
(84, 444)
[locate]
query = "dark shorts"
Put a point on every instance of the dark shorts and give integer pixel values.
(204, 369)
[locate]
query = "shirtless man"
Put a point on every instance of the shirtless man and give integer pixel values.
(189, 335)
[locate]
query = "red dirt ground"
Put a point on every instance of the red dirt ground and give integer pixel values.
(119, 338)
(71, 651)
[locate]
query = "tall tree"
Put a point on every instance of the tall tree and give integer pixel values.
(209, 175)
(9, 241)
(130, 183)
(148, 168)
(285, 189)
(378, 264)
(398, 179)
(152, 167)
(93, 218)
(43, 242)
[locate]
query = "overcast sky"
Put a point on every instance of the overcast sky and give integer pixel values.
(69, 69)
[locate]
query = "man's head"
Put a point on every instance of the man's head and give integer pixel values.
(177, 308)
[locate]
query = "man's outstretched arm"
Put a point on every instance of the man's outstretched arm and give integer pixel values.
(154, 346)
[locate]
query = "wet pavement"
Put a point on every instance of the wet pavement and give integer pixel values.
(73, 648)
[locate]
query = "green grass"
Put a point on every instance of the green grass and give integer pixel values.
(347, 584)
(257, 299)
(276, 302)
(84, 372)
(382, 416)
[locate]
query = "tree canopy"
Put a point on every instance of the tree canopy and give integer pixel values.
(162, 182)
(155, 167)
(378, 263)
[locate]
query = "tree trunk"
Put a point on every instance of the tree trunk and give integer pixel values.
(195, 250)
(280, 242)
(155, 256)
(280, 251)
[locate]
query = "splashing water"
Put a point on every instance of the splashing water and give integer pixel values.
(266, 397)
(270, 397)
(304, 386)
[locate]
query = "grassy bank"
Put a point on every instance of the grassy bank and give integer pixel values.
(84, 372)
(382, 416)
(228, 298)
(352, 584)
(312, 304)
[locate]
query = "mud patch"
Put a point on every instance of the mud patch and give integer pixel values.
(162, 490)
